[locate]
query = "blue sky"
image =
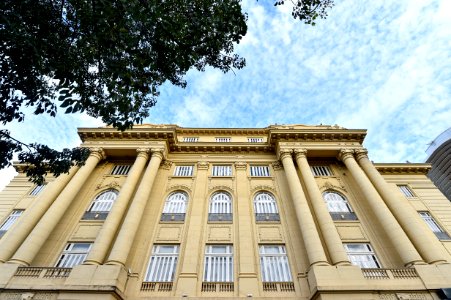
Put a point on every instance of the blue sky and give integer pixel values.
(384, 66)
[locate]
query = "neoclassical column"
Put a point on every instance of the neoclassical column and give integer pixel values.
(106, 234)
(127, 233)
(396, 235)
(19, 232)
(33, 243)
(419, 233)
(326, 224)
(312, 241)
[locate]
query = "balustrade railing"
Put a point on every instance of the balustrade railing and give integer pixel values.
(217, 287)
(42, 272)
(390, 273)
(156, 286)
(278, 286)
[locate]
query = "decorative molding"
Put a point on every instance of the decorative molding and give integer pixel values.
(166, 164)
(277, 165)
(220, 233)
(111, 185)
(218, 188)
(97, 152)
(330, 186)
(263, 188)
(345, 154)
(169, 233)
(300, 153)
(202, 165)
(270, 234)
(240, 165)
(176, 187)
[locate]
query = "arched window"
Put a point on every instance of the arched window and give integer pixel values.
(175, 207)
(220, 207)
(338, 206)
(101, 205)
(265, 207)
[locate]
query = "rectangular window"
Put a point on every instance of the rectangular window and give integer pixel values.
(37, 189)
(121, 169)
(183, 171)
(255, 140)
(406, 191)
(321, 170)
(436, 229)
(274, 264)
(218, 263)
(223, 139)
(221, 171)
(190, 139)
(260, 171)
(362, 255)
(74, 254)
(163, 263)
(10, 220)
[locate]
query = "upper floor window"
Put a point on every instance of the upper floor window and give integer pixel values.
(175, 207)
(265, 207)
(255, 140)
(338, 206)
(10, 220)
(183, 171)
(223, 139)
(438, 231)
(191, 139)
(121, 169)
(260, 171)
(101, 205)
(162, 264)
(221, 171)
(274, 264)
(362, 255)
(218, 266)
(321, 170)
(405, 189)
(220, 207)
(37, 189)
(74, 254)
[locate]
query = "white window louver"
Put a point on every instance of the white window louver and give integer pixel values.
(221, 203)
(11, 219)
(362, 255)
(223, 139)
(218, 263)
(191, 139)
(221, 171)
(183, 171)
(74, 254)
(255, 140)
(321, 170)
(162, 264)
(274, 264)
(37, 189)
(104, 201)
(176, 203)
(260, 171)
(264, 203)
(121, 169)
(406, 191)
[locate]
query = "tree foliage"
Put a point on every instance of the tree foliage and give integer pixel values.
(108, 58)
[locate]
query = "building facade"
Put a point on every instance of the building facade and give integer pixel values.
(439, 156)
(166, 212)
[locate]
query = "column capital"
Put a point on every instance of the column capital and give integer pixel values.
(283, 153)
(157, 152)
(240, 165)
(202, 165)
(298, 153)
(361, 153)
(345, 154)
(97, 152)
(143, 152)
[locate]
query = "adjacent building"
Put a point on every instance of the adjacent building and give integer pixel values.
(439, 156)
(168, 212)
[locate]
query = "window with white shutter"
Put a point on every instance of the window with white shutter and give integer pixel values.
(260, 171)
(436, 229)
(37, 189)
(274, 264)
(74, 254)
(162, 264)
(220, 208)
(405, 189)
(221, 171)
(101, 205)
(338, 206)
(175, 207)
(255, 140)
(223, 139)
(121, 169)
(183, 171)
(10, 220)
(362, 255)
(321, 170)
(218, 266)
(265, 207)
(190, 139)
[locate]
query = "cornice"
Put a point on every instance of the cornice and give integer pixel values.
(403, 168)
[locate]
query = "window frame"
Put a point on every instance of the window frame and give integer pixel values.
(255, 140)
(74, 258)
(183, 171)
(223, 139)
(218, 170)
(321, 170)
(435, 227)
(121, 169)
(164, 262)
(218, 260)
(406, 190)
(189, 139)
(274, 267)
(220, 210)
(37, 189)
(338, 200)
(10, 220)
(99, 208)
(352, 255)
(260, 171)
(265, 209)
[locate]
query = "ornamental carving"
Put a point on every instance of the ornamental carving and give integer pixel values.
(240, 165)
(176, 187)
(218, 188)
(111, 185)
(330, 186)
(166, 164)
(263, 188)
(277, 165)
(202, 165)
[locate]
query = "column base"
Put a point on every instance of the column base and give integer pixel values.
(91, 262)
(115, 263)
(343, 263)
(414, 263)
(18, 262)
